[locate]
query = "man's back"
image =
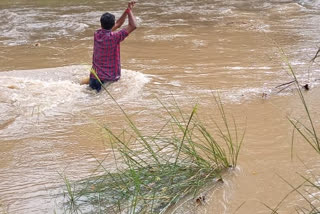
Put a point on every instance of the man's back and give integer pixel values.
(106, 54)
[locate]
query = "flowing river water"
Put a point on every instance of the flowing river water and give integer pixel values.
(188, 50)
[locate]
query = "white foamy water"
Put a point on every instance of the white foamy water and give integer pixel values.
(34, 96)
(23, 25)
(309, 3)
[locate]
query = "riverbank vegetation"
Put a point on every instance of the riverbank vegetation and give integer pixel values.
(309, 189)
(153, 172)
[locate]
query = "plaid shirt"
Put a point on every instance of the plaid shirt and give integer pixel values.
(106, 54)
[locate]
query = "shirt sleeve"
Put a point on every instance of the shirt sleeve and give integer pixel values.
(121, 35)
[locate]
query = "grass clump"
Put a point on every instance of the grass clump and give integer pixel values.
(155, 171)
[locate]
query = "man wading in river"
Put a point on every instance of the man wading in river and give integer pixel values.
(106, 50)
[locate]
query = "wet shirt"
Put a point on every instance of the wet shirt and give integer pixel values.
(106, 54)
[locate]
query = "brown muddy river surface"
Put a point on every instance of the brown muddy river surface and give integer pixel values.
(185, 49)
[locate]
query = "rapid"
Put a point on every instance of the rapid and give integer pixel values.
(182, 50)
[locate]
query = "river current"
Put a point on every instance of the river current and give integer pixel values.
(182, 50)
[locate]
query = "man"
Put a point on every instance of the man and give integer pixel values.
(106, 50)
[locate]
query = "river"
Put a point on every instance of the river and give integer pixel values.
(186, 50)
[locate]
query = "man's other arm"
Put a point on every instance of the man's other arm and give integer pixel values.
(120, 21)
(123, 17)
(132, 24)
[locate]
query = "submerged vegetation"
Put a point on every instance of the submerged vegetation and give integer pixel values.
(154, 172)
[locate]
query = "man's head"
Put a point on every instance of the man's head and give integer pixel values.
(107, 21)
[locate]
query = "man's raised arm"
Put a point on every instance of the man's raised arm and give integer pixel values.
(132, 25)
(123, 17)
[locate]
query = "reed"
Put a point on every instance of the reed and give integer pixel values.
(307, 131)
(155, 171)
(310, 186)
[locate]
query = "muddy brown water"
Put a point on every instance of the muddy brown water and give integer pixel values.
(189, 50)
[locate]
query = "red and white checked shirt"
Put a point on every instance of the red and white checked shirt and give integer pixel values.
(106, 54)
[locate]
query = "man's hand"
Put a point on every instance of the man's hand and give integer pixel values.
(131, 4)
(122, 19)
(131, 19)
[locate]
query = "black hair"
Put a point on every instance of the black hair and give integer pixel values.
(107, 21)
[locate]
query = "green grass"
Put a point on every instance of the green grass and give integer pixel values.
(307, 131)
(153, 172)
(310, 186)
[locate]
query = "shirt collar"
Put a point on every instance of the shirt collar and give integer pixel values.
(104, 30)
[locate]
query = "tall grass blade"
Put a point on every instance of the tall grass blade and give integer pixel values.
(154, 172)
